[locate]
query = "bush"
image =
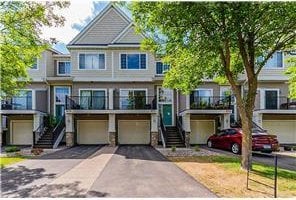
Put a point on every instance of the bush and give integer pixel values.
(196, 148)
(173, 148)
(11, 149)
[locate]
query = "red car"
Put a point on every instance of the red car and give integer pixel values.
(231, 139)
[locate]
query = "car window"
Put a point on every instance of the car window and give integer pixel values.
(231, 131)
(221, 133)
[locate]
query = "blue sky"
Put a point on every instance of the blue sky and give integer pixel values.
(77, 16)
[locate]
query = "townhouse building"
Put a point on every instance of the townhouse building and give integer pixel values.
(109, 91)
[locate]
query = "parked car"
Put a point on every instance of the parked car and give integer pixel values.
(231, 139)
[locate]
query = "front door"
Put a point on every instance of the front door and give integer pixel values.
(271, 99)
(167, 114)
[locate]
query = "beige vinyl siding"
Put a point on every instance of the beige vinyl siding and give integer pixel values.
(130, 37)
(40, 73)
(105, 29)
(133, 131)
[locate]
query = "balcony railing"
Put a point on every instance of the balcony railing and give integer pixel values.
(280, 103)
(86, 102)
(17, 103)
(134, 102)
(210, 102)
(119, 103)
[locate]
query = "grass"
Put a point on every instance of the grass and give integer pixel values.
(222, 174)
(6, 161)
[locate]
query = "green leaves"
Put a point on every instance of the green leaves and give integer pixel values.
(20, 44)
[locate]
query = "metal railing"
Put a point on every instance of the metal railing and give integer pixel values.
(40, 131)
(180, 129)
(86, 102)
(162, 130)
(134, 103)
(251, 172)
(17, 103)
(210, 102)
(58, 129)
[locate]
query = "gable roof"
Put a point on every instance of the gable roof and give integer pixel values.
(128, 36)
(121, 16)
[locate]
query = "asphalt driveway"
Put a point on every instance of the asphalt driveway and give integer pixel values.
(95, 171)
(141, 171)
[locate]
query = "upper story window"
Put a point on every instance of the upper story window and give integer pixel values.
(64, 68)
(35, 64)
(92, 61)
(133, 61)
(23, 101)
(276, 61)
(161, 68)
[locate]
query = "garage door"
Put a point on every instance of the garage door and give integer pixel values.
(284, 129)
(22, 132)
(201, 130)
(134, 132)
(92, 132)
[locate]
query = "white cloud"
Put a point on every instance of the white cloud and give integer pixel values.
(76, 13)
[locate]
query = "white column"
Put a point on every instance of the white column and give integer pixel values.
(111, 98)
(154, 123)
(37, 120)
(225, 121)
(257, 118)
(187, 102)
(33, 99)
(69, 123)
(112, 123)
(186, 122)
(1, 129)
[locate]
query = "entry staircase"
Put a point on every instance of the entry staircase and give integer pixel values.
(171, 135)
(47, 138)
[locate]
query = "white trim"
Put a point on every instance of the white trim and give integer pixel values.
(95, 89)
(54, 97)
(37, 65)
(97, 19)
(132, 89)
(139, 61)
(58, 67)
(262, 97)
(122, 33)
(92, 53)
(112, 63)
(166, 103)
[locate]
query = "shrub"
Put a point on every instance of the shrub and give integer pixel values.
(173, 148)
(196, 148)
(12, 149)
(36, 151)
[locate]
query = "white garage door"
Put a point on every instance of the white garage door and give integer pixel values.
(284, 129)
(134, 132)
(92, 132)
(201, 130)
(22, 132)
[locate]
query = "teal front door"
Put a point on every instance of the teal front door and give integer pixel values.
(167, 114)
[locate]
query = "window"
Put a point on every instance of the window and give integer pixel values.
(161, 68)
(93, 99)
(60, 99)
(23, 101)
(133, 61)
(133, 99)
(35, 64)
(271, 99)
(276, 61)
(165, 95)
(64, 67)
(92, 61)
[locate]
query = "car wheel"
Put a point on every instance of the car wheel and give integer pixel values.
(235, 148)
(209, 143)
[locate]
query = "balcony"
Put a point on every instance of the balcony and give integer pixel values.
(210, 102)
(108, 103)
(279, 103)
(17, 103)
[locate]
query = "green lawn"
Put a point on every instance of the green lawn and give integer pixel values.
(5, 161)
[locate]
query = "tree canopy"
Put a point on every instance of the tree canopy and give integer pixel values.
(20, 42)
(224, 40)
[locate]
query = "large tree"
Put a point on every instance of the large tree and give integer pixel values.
(206, 40)
(20, 42)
